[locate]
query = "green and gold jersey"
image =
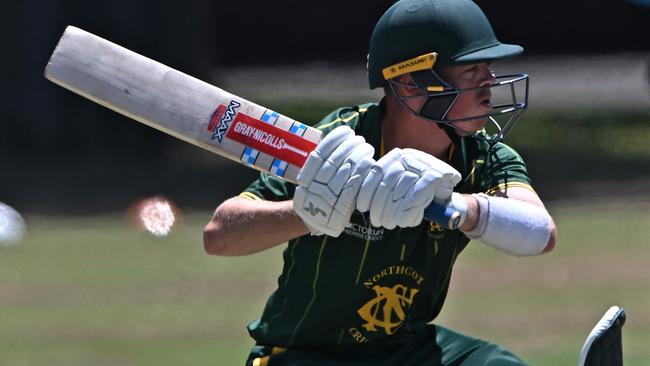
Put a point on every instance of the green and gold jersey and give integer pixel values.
(371, 285)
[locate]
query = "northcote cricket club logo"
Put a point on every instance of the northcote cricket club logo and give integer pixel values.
(388, 308)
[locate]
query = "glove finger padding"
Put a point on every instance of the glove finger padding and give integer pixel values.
(371, 182)
(411, 217)
(431, 162)
(402, 184)
(391, 169)
(368, 188)
(330, 181)
(422, 192)
(323, 151)
(335, 160)
(389, 215)
(405, 185)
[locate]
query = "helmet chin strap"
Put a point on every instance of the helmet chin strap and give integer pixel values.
(450, 131)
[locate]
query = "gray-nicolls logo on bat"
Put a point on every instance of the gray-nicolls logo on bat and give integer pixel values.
(315, 210)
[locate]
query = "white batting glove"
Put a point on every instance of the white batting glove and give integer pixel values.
(402, 184)
(329, 181)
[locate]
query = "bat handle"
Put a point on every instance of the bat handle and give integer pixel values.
(444, 214)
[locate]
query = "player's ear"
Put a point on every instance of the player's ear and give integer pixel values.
(404, 86)
(405, 79)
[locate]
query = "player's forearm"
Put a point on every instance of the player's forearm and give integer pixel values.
(240, 226)
(516, 225)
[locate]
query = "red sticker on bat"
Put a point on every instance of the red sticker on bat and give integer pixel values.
(270, 139)
(216, 117)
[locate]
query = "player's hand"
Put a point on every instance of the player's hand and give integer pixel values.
(329, 181)
(402, 184)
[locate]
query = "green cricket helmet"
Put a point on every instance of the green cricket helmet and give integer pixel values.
(418, 37)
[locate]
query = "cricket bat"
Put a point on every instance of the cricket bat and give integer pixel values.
(188, 108)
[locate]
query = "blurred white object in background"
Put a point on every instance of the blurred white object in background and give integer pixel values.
(12, 226)
(157, 215)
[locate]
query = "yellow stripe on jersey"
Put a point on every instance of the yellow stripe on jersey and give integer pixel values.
(505, 186)
(313, 289)
(293, 260)
(338, 343)
(343, 119)
(363, 259)
(261, 361)
(472, 173)
(276, 350)
(452, 150)
(250, 196)
(453, 259)
(264, 361)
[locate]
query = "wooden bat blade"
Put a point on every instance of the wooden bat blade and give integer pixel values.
(188, 108)
(180, 105)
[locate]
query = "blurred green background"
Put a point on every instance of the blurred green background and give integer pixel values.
(91, 288)
(94, 290)
(87, 287)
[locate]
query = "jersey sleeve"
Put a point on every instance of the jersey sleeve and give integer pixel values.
(343, 116)
(504, 168)
(270, 188)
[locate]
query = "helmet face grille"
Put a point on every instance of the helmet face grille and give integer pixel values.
(508, 97)
(436, 108)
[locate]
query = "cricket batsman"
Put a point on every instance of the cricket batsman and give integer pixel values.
(364, 276)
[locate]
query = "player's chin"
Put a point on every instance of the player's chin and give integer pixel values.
(468, 128)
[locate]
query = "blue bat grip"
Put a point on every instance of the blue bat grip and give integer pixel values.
(442, 214)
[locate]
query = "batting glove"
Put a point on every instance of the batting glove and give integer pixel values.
(329, 181)
(402, 184)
